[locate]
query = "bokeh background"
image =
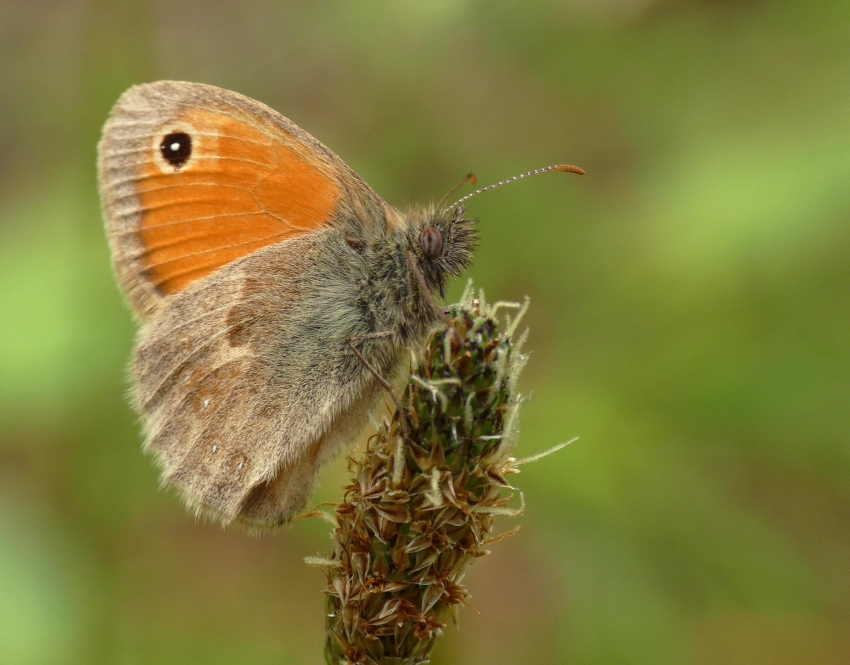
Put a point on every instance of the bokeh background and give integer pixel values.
(689, 321)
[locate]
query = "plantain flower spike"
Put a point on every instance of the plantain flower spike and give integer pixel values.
(421, 508)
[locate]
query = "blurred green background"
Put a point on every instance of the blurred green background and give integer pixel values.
(690, 317)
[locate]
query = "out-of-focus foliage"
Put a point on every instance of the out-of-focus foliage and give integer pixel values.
(690, 317)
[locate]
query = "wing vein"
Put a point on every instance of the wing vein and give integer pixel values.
(159, 264)
(193, 220)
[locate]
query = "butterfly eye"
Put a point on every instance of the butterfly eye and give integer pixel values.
(431, 241)
(176, 148)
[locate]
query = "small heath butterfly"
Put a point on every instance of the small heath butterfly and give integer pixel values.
(264, 272)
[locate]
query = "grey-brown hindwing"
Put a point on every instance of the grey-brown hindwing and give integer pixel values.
(245, 384)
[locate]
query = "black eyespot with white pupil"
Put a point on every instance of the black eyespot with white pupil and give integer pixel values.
(176, 148)
(431, 242)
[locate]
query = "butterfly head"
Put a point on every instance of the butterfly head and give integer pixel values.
(442, 240)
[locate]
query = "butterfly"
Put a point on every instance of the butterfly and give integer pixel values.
(274, 289)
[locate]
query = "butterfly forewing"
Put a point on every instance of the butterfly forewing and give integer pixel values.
(189, 187)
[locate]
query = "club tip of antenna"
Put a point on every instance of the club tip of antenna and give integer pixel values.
(569, 168)
(472, 179)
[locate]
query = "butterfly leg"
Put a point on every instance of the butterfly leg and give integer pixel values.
(402, 413)
(426, 292)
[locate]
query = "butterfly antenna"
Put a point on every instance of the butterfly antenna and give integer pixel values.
(566, 168)
(468, 178)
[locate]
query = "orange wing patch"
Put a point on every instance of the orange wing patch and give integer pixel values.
(239, 190)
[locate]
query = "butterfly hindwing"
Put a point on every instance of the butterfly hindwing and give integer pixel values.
(246, 386)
